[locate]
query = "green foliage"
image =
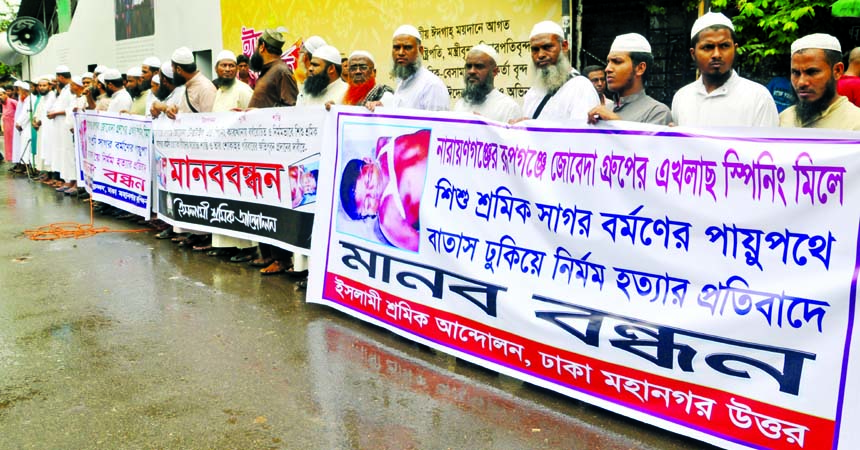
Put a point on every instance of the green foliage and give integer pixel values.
(768, 27)
(8, 13)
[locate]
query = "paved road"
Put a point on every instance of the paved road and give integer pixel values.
(122, 341)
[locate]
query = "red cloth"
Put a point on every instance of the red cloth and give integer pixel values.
(849, 86)
(8, 126)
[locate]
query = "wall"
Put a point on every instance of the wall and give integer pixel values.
(91, 40)
(351, 25)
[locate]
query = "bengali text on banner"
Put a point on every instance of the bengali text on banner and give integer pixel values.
(699, 282)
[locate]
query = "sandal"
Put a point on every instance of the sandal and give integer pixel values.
(221, 251)
(274, 268)
(243, 256)
(262, 262)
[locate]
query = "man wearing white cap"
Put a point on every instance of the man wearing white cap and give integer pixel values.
(309, 46)
(417, 87)
(45, 98)
(362, 80)
(323, 85)
(199, 95)
(63, 152)
(168, 93)
(720, 97)
(22, 139)
(816, 64)
(150, 68)
(626, 71)
(120, 99)
(479, 93)
(276, 85)
(134, 86)
(556, 94)
(232, 93)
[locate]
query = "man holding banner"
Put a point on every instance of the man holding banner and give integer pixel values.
(479, 94)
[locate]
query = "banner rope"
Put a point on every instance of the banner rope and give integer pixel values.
(68, 230)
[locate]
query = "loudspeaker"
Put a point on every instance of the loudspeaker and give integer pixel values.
(27, 36)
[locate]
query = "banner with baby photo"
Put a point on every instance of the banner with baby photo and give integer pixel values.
(700, 281)
(250, 175)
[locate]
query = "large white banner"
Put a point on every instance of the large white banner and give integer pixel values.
(250, 175)
(114, 154)
(703, 281)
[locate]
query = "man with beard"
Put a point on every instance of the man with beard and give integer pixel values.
(231, 95)
(479, 94)
(597, 76)
(167, 94)
(849, 83)
(63, 151)
(44, 102)
(149, 69)
(276, 85)
(134, 86)
(199, 95)
(417, 87)
(362, 80)
(120, 99)
(309, 46)
(556, 94)
(816, 64)
(626, 72)
(22, 141)
(720, 97)
(323, 85)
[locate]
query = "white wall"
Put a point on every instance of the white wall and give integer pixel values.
(90, 40)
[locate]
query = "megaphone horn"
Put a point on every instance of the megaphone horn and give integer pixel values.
(27, 36)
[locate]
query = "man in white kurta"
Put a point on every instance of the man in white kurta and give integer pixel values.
(231, 94)
(479, 94)
(63, 151)
(720, 97)
(417, 87)
(557, 93)
(44, 141)
(323, 84)
(22, 139)
(120, 99)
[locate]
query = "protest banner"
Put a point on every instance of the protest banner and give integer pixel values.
(114, 154)
(700, 281)
(250, 175)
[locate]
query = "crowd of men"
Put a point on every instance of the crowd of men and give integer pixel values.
(38, 123)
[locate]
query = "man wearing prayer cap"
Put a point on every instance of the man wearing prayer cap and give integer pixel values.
(720, 97)
(480, 95)
(362, 80)
(150, 68)
(849, 83)
(134, 86)
(816, 64)
(62, 151)
(417, 87)
(199, 95)
(306, 52)
(626, 72)
(22, 139)
(323, 85)
(120, 99)
(276, 85)
(556, 94)
(232, 94)
(45, 98)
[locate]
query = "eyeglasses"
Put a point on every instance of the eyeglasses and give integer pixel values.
(358, 67)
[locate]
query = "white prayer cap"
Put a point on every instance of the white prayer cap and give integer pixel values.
(328, 53)
(100, 69)
(407, 30)
(547, 27)
(167, 69)
(22, 84)
(87, 75)
(486, 49)
(152, 61)
(630, 42)
(156, 79)
(182, 55)
(708, 20)
(112, 75)
(2, 90)
(225, 54)
(817, 40)
(43, 77)
(101, 78)
(364, 54)
(312, 43)
(62, 69)
(78, 80)
(135, 71)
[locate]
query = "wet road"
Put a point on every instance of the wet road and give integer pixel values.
(123, 341)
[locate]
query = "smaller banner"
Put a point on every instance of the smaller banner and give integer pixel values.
(250, 175)
(114, 156)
